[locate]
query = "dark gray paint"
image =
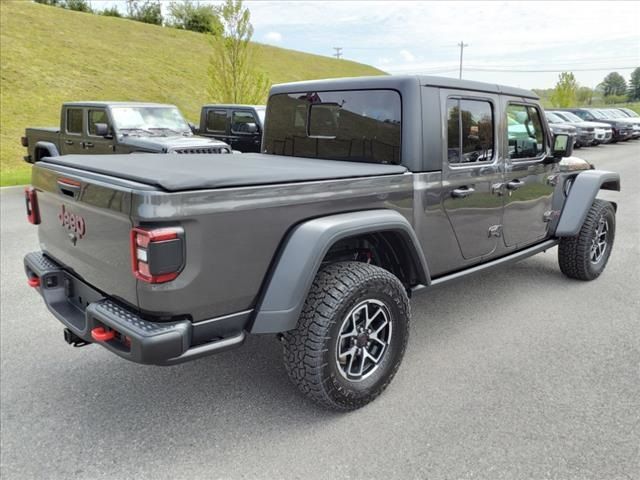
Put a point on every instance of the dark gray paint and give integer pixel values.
(303, 252)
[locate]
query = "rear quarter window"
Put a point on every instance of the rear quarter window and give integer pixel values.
(354, 125)
(74, 120)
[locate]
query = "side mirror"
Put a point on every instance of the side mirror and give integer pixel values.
(251, 128)
(562, 146)
(102, 129)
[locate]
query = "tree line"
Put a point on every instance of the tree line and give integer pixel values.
(613, 89)
(184, 14)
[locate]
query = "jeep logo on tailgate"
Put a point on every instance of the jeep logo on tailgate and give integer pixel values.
(72, 222)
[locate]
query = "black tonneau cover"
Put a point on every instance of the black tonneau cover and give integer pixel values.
(176, 172)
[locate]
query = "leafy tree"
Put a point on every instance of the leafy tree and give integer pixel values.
(614, 84)
(111, 12)
(192, 16)
(78, 5)
(584, 95)
(232, 75)
(634, 85)
(146, 11)
(564, 93)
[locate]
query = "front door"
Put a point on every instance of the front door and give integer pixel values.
(529, 180)
(95, 143)
(71, 135)
(242, 138)
(472, 172)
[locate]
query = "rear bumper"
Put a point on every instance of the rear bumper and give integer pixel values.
(97, 318)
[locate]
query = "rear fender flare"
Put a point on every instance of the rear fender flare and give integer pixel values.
(299, 260)
(583, 192)
(49, 147)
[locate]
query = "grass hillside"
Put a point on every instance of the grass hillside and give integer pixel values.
(50, 55)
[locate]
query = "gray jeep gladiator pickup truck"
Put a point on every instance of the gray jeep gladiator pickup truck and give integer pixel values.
(367, 191)
(117, 127)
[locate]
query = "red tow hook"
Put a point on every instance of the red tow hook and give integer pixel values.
(99, 334)
(33, 281)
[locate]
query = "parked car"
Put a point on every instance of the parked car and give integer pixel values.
(240, 126)
(559, 125)
(602, 132)
(368, 191)
(618, 115)
(629, 113)
(621, 130)
(117, 127)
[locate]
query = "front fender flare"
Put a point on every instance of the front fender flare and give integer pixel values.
(299, 260)
(583, 192)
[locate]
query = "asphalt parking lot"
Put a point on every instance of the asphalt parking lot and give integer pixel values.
(517, 373)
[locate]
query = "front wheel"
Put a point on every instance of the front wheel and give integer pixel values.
(585, 255)
(351, 335)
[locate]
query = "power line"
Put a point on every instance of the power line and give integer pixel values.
(338, 53)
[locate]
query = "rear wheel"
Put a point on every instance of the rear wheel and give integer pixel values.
(351, 336)
(585, 255)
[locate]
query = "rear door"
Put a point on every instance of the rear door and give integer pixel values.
(529, 180)
(241, 138)
(95, 143)
(472, 171)
(216, 124)
(86, 225)
(71, 134)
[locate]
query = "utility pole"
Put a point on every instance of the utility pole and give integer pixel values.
(338, 53)
(462, 45)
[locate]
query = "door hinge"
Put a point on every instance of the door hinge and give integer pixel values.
(495, 230)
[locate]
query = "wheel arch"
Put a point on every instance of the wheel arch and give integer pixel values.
(44, 149)
(307, 246)
(583, 192)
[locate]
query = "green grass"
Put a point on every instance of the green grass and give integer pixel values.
(50, 55)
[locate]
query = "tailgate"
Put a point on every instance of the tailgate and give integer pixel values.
(85, 226)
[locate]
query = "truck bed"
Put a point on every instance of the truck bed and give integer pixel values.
(174, 172)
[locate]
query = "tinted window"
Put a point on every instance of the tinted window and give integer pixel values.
(217, 120)
(74, 120)
(525, 133)
(97, 116)
(347, 125)
(239, 121)
(469, 131)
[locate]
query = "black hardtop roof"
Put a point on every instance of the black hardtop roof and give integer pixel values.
(233, 105)
(398, 82)
(106, 103)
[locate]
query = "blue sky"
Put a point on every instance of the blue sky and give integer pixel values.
(522, 44)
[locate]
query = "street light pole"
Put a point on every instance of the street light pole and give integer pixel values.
(461, 45)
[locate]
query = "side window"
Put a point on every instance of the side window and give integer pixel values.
(217, 121)
(97, 116)
(469, 131)
(74, 120)
(239, 121)
(525, 133)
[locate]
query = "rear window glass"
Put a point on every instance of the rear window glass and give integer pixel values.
(469, 131)
(216, 120)
(363, 126)
(74, 120)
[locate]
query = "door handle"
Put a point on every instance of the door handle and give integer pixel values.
(88, 145)
(462, 192)
(515, 184)
(68, 142)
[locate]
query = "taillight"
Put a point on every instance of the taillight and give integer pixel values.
(24, 141)
(31, 202)
(157, 255)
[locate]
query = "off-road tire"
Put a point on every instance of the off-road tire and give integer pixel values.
(309, 349)
(574, 253)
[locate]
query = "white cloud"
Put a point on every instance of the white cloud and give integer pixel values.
(407, 56)
(273, 37)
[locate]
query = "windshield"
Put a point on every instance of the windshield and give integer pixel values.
(157, 120)
(615, 114)
(630, 113)
(571, 117)
(261, 113)
(598, 114)
(553, 118)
